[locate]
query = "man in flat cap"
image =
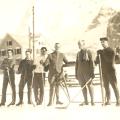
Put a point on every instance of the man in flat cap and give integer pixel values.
(107, 56)
(39, 76)
(9, 77)
(25, 69)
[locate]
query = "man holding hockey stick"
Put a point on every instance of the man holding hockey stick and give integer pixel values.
(9, 77)
(107, 57)
(25, 69)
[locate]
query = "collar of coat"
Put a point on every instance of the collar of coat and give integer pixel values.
(28, 59)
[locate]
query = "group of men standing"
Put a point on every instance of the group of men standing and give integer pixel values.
(85, 71)
(33, 73)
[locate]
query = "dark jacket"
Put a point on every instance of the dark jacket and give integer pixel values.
(84, 68)
(8, 63)
(26, 67)
(107, 60)
(55, 62)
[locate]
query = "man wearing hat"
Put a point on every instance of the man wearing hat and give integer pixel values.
(39, 76)
(107, 56)
(9, 77)
(25, 69)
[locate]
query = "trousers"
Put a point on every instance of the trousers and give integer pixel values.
(110, 78)
(8, 78)
(25, 80)
(38, 86)
(54, 86)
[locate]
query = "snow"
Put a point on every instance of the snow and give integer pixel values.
(57, 112)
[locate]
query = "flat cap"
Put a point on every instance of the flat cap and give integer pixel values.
(10, 49)
(44, 48)
(104, 39)
(29, 50)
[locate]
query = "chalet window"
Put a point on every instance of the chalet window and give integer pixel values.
(3, 52)
(18, 51)
(15, 51)
(9, 43)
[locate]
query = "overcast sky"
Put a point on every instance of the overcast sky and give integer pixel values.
(55, 19)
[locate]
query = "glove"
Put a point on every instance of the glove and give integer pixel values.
(99, 52)
(92, 75)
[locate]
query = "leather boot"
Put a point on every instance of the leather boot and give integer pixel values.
(2, 104)
(29, 96)
(19, 103)
(12, 103)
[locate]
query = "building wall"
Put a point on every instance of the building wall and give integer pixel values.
(19, 48)
(9, 43)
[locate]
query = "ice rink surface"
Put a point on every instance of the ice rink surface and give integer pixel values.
(57, 112)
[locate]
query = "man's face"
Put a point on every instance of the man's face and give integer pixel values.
(10, 54)
(104, 44)
(57, 47)
(43, 51)
(81, 44)
(28, 55)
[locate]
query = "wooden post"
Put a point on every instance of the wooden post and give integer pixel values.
(29, 37)
(33, 35)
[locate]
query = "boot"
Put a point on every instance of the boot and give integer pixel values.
(51, 95)
(84, 103)
(58, 102)
(49, 104)
(12, 103)
(50, 101)
(13, 99)
(2, 104)
(107, 103)
(92, 103)
(84, 91)
(19, 103)
(21, 98)
(38, 102)
(118, 103)
(29, 102)
(29, 96)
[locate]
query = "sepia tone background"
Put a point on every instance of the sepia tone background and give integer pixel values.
(64, 21)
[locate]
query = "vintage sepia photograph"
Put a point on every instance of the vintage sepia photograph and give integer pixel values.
(59, 59)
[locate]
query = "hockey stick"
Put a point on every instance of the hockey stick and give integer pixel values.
(101, 81)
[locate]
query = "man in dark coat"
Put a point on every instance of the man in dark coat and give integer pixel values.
(25, 69)
(108, 70)
(84, 71)
(55, 61)
(9, 77)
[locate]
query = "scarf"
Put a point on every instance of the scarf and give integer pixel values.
(84, 55)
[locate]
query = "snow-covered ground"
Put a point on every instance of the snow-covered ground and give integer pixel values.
(73, 111)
